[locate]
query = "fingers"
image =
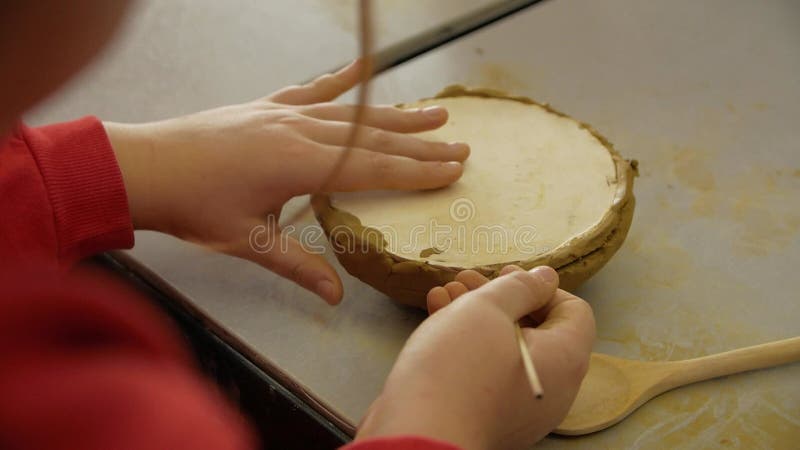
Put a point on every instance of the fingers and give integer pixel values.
(375, 139)
(323, 89)
(572, 316)
(518, 293)
(385, 117)
(471, 279)
(286, 257)
(510, 268)
(437, 299)
(368, 170)
(466, 280)
(455, 289)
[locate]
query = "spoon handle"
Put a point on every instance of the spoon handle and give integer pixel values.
(735, 361)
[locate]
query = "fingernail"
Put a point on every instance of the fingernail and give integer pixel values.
(452, 165)
(435, 112)
(325, 290)
(545, 273)
(459, 147)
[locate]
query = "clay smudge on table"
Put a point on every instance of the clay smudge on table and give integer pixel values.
(736, 412)
(692, 167)
(501, 76)
(723, 413)
(753, 199)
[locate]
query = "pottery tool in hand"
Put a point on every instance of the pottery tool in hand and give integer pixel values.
(530, 369)
(615, 387)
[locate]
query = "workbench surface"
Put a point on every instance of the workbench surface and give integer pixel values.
(704, 94)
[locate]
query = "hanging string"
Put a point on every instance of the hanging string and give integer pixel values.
(365, 39)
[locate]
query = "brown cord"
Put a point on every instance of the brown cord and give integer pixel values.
(366, 59)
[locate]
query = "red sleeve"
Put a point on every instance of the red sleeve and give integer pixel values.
(61, 195)
(87, 365)
(400, 443)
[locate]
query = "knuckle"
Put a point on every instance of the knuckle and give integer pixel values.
(285, 92)
(291, 119)
(297, 273)
(381, 165)
(295, 148)
(379, 138)
(325, 80)
(523, 280)
(318, 108)
(576, 365)
(581, 368)
(585, 305)
(586, 308)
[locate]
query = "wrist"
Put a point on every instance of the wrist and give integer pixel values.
(134, 149)
(388, 419)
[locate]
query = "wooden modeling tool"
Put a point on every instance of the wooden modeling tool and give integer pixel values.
(615, 387)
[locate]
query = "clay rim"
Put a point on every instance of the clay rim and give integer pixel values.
(579, 246)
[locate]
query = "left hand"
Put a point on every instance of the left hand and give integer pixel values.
(214, 176)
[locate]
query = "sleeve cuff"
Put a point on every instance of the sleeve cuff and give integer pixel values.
(84, 185)
(400, 443)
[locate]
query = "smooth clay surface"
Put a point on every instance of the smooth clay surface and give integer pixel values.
(538, 188)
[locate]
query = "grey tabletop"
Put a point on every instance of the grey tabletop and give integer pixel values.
(705, 94)
(180, 56)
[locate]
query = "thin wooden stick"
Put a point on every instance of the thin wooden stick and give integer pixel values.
(530, 370)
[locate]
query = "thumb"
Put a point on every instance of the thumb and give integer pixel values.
(519, 293)
(286, 257)
(323, 89)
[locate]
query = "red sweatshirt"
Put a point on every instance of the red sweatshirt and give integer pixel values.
(85, 363)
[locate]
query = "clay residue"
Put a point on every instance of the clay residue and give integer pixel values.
(499, 76)
(692, 168)
(763, 227)
(705, 205)
(668, 262)
(747, 411)
(749, 198)
(733, 414)
(429, 251)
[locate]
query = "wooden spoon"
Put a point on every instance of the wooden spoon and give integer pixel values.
(615, 387)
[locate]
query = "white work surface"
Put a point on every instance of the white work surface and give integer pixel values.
(181, 56)
(705, 94)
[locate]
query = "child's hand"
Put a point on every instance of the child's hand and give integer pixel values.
(214, 176)
(460, 376)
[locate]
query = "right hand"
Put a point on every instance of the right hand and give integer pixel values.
(460, 376)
